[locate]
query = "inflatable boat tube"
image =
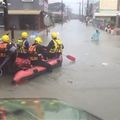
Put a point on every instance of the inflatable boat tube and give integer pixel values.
(36, 70)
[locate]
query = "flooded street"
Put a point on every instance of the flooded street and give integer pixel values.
(91, 83)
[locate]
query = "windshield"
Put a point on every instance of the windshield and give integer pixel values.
(36, 109)
(67, 50)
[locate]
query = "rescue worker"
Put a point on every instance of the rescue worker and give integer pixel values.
(7, 51)
(55, 46)
(23, 46)
(37, 53)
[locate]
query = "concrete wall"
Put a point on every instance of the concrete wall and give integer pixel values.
(108, 5)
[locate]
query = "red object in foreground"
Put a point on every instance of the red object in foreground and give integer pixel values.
(30, 72)
(71, 58)
(2, 114)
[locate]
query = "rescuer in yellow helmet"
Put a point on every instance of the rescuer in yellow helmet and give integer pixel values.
(7, 51)
(55, 46)
(38, 55)
(23, 45)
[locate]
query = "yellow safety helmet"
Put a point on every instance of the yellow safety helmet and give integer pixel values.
(54, 35)
(38, 40)
(5, 38)
(24, 34)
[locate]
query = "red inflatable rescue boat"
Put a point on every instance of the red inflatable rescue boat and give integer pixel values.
(29, 73)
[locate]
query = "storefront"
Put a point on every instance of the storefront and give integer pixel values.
(26, 19)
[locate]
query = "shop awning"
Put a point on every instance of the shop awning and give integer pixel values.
(24, 12)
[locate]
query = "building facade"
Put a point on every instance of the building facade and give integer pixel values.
(108, 12)
(26, 14)
(58, 11)
(108, 5)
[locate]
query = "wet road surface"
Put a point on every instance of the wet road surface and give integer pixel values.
(91, 83)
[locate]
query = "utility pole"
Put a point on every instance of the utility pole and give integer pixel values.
(79, 9)
(6, 15)
(87, 9)
(82, 9)
(117, 16)
(62, 11)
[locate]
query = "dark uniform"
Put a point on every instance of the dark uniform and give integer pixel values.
(37, 55)
(7, 55)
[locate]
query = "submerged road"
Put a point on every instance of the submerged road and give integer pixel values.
(91, 83)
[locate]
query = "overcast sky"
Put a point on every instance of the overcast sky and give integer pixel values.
(74, 4)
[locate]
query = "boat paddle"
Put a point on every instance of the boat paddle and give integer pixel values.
(70, 57)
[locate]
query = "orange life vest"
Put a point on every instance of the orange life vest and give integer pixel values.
(33, 53)
(32, 49)
(3, 49)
